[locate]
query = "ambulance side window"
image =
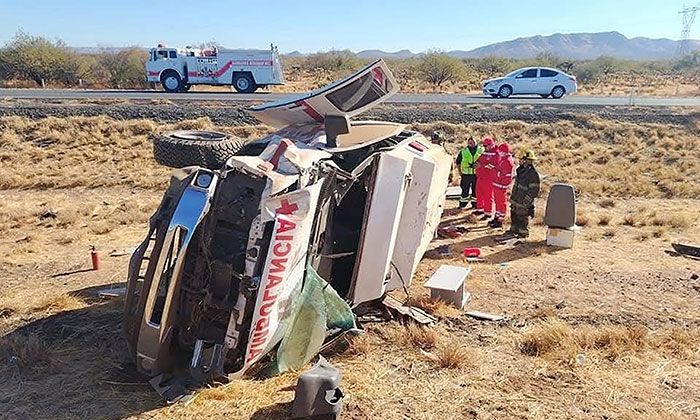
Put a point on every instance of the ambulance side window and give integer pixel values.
(173, 54)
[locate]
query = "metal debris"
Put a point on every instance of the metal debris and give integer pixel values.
(485, 316)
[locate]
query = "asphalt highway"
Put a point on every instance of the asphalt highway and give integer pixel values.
(398, 98)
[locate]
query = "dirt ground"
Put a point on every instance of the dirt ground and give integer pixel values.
(607, 330)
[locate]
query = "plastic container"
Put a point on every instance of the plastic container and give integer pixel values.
(472, 252)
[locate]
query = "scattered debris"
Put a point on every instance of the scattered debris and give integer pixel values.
(48, 214)
(560, 211)
(125, 251)
(453, 192)
(694, 276)
(503, 264)
(173, 388)
(400, 310)
(485, 316)
(475, 259)
(447, 283)
(690, 251)
(472, 252)
(318, 392)
(444, 251)
(112, 292)
(563, 238)
(450, 232)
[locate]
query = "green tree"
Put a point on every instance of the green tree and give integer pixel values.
(438, 68)
(124, 68)
(36, 58)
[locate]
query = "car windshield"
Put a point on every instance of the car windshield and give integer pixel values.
(514, 72)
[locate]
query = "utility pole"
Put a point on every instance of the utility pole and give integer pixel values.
(688, 14)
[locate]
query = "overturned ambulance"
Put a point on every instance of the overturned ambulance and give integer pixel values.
(252, 266)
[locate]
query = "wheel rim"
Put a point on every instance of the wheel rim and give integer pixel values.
(171, 82)
(558, 92)
(242, 83)
(505, 91)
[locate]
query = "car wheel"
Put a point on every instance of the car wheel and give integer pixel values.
(505, 91)
(244, 83)
(558, 92)
(171, 81)
(208, 149)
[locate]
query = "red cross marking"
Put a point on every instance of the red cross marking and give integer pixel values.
(286, 207)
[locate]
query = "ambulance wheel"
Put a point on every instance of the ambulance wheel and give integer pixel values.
(208, 149)
(244, 83)
(171, 81)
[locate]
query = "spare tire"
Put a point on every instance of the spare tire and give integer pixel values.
(208, 149)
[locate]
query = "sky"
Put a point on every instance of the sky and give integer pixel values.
(310, 26)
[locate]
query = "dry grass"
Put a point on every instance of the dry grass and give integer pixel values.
(602, 158)
(582, 219)
(557, 340)
(88, 151)
(604, 219)
(26, 304)
(28, 352)
(645, 364)
(451, 355)
(418, 336)
(607, 203)
(436, 307)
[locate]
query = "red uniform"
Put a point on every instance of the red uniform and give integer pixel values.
(485, 175)
(502, 181)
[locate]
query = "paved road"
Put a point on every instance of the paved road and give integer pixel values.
(399, 98)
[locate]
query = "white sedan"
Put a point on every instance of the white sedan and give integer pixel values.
(541, 81)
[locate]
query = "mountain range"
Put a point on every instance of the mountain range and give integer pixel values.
(576, 46)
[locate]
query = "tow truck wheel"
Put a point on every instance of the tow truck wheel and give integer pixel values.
(171, 81)
(244, 83)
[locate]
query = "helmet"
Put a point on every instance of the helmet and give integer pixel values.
(504, 148)
(528, 155)
(488, 141)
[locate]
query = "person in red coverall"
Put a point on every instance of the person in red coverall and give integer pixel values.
(485, 174)
(504, 177)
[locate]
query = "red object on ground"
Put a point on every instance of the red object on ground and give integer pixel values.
(472, 252)
(95, 258)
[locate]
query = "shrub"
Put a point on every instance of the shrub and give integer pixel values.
(437, 69)
(36, 58)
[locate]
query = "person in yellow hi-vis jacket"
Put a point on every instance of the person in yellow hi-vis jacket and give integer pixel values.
(466, 160)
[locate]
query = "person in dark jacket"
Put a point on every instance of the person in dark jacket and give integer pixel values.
(466, 160)
(522, 199)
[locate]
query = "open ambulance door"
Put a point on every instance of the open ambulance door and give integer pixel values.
(349, 96)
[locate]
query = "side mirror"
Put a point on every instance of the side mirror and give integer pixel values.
(334, 125)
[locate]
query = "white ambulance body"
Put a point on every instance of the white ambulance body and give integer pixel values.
(178, 69)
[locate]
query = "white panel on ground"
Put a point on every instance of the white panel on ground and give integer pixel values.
(447, 283)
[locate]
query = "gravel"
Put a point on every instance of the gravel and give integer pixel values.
(235, 114)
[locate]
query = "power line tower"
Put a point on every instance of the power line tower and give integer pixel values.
(688, 14)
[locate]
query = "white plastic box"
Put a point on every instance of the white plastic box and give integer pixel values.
(563, 238)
